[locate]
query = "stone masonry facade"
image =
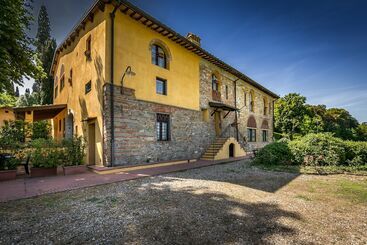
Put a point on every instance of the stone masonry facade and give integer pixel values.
(135, 131)
(190, 132)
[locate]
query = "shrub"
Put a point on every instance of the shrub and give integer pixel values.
(356, 152)
(13, 133)
(276, 153)
(74, 151)
(41, 130)
(318, 150)
(46, 153)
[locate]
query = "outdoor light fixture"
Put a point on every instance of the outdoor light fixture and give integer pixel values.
(128, 72)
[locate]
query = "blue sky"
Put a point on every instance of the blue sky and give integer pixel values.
(316, 48)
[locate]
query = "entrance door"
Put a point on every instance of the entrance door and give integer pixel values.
(231, 150)
(91, 144)
(218, 123)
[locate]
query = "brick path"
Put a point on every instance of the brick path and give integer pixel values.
(31, 187)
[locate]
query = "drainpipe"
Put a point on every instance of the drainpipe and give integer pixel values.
(273, 119)
(112, 140)
(235, 105)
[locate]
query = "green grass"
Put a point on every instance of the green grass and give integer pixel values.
(359, 170)
(303, 197)
(354, 191)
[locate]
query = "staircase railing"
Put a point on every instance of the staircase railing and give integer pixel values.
(231, 131)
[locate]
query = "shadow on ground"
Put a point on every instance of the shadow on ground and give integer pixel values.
(161, 210)
(244, 173)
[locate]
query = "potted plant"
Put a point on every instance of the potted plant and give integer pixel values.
(74, 153)
(45, 158)
(8, 166)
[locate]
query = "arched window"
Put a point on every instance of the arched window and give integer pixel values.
(265, 101)
(56, 86)
(159, 57)
(252, 101)
(251, 129)
(62, 77)
(215, 83)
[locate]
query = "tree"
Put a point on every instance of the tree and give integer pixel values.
(46, 47)
(313, 121)
(341, 123)
(28, 99)
(7, 100)
(16, 94)
(289, 112)
(361, 132)
(17, 59)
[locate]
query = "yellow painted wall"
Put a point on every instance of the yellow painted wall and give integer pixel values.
(84, 106)
(6, 115)
(224, 152)
(132, 48)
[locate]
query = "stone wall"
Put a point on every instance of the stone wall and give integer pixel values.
(206, 71)
(135, 131)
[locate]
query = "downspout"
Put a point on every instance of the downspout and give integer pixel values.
(235, 105)
(273, 119)
(112, 140)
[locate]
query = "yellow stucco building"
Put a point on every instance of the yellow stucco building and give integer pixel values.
(140, 92)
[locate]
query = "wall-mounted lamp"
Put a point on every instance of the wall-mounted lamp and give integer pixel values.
(128, 72)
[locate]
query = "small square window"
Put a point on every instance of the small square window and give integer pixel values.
(161, 86)
(88, 87)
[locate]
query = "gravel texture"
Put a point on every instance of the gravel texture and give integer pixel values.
(233, 203)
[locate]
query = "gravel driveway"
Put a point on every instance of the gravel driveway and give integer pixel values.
(233, 203)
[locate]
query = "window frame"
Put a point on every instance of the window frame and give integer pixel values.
(251, 134)
(164, 82)
(163, 119)
(158, 53)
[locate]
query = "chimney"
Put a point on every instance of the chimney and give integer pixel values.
(193, 38)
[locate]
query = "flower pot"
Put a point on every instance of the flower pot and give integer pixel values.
(42, 172)
(69, 170)
(8, 175)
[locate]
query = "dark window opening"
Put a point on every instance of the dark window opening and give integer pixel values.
(71, 77)
(251, 135)
(159, 57)
(215, 83)
(265, 135)
(62, 82)
(163, 127)
(88, 47)
(227, 92)
(161, 86)
(6, 111)
(88, 87)
(244, 98)
(56, 91)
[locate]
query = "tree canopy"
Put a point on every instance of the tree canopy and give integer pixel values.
(17, 59)
(294, 116)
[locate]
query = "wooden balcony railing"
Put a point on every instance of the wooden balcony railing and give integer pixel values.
(216, 96)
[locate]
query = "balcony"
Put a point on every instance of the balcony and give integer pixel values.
(216, 96)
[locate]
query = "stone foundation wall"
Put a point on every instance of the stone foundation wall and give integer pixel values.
(135, 131)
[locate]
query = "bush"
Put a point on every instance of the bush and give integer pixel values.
(74, 151)
(318, 150)
(46, 153)
(41, 130)
(277, 153)
(356, 152)
(13, 133)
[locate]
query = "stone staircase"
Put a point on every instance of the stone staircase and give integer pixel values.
(214, 148)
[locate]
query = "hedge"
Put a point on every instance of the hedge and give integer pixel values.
(314, 150)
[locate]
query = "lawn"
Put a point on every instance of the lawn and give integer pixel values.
(230, 203)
